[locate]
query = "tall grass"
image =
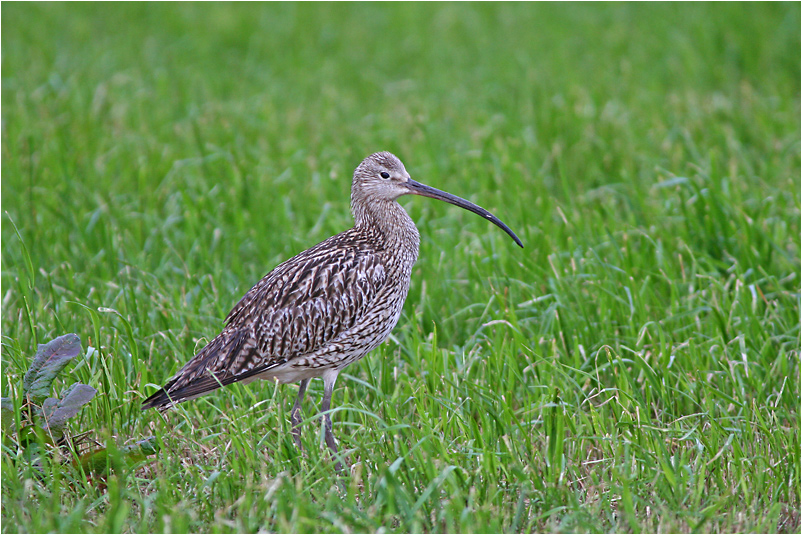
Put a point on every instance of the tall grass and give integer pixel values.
(634, 368)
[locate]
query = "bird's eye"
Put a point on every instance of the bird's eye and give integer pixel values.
(385, 174)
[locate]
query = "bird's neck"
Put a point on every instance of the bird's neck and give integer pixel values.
(391, 224)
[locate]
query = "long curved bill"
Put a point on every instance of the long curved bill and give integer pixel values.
(416, 188)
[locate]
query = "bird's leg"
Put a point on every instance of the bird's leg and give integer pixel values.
(295, 414)
(328, 387)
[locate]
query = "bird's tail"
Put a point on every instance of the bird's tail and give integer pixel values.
(173, 393)
(204, 373)
(160, 400)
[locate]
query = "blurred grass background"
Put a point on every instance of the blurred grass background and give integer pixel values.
(634, 368)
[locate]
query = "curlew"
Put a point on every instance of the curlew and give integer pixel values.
(325, 308)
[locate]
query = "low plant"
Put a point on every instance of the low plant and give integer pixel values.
(35, 424)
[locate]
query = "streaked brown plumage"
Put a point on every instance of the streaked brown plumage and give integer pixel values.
(325, 308)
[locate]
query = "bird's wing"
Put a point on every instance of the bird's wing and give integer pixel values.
(294, 310)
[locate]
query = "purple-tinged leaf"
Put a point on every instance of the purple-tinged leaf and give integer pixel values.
(50, 359)
(48, 407)
(56, 416)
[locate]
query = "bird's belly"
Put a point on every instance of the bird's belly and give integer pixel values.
(369, 333)
(287, 373)
(372, 330)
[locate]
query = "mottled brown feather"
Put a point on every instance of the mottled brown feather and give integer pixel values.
(297, 308)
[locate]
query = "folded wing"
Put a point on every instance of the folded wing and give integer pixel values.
(295, 310)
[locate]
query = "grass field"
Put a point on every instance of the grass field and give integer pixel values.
(635, 368)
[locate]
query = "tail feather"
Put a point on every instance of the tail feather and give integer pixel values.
(168, 397)
(203, 373)
(160, 400)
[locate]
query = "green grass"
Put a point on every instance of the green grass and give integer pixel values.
(634, 368)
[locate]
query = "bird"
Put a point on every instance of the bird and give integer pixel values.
(325, 308)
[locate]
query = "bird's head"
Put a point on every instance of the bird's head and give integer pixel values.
(381, 177)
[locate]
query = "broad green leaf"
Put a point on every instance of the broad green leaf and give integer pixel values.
(99, 461)
(31, 434)
(50, 359)
(140, 449)
(7, 410)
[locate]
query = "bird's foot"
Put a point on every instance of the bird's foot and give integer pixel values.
(295, 418)
(330, 442)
